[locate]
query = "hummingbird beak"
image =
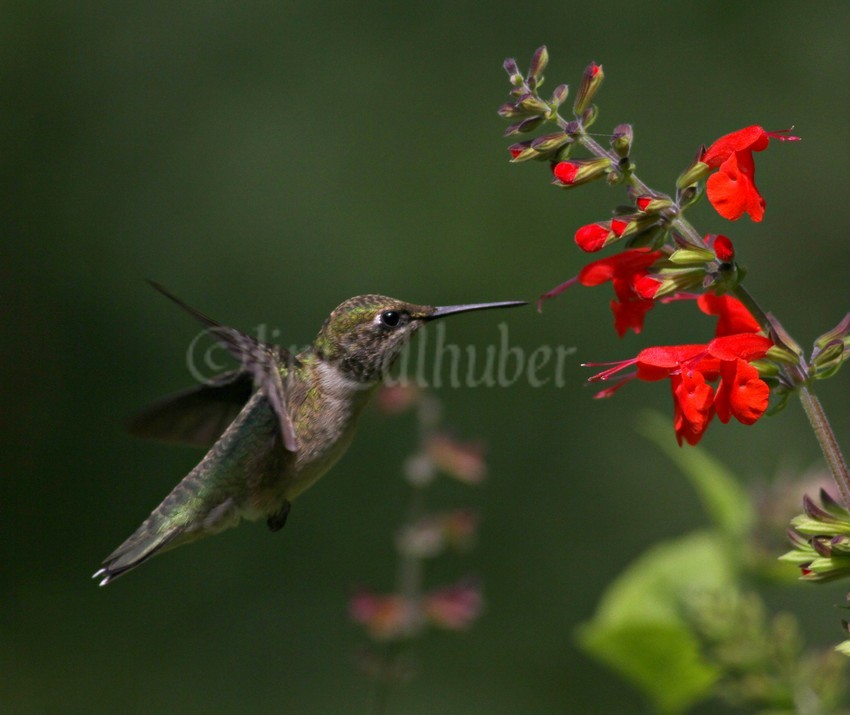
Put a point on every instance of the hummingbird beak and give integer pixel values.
(452, 309)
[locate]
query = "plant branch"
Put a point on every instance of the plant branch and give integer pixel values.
(828, 443)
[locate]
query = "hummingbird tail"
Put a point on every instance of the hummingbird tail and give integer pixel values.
(135, 551)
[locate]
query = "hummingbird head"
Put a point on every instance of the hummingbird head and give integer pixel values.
(364, 335)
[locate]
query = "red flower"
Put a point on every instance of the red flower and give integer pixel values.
(741, 393)
(733, 317)
(594, 236)
(633, 288)
(693, 405)
(732, 190)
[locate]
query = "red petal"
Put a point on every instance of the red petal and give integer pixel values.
(742, 393)
(732, 191)
(656, 363)
(618, 225)
(693, 405)
(752, 138)
(732, 316)
(746, 346)
(630, 314)
(646, 287)
(723, 249)
(622, 265)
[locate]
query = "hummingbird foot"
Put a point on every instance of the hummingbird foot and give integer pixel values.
(277, 521)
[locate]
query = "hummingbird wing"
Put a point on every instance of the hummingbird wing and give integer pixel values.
(198, 415)
(261, 360)
(244, 475)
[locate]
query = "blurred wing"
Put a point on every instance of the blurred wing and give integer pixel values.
(197, 416)
(262, 361)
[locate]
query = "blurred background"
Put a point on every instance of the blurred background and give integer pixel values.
(268, 160)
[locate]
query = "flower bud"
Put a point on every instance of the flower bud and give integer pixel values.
(839, 332)
(590, 82)
(675, 280)
(688, 196)
(621, 139)
(783, 340)
(532, 104)
(647, 203)
(594, 236)
(630, 225)
(697, 171)
(511, 111)
(512, 69)
(691, 256)
(538, 63)
(526, 125)
(723, 249)
(828, 360)
(521, 151)
(589, 115)
(766, 368)
(824, 554)
(550, 142)
(580, 171)
(783, 355)
(559, 95)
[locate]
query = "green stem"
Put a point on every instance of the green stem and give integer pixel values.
(828, 443)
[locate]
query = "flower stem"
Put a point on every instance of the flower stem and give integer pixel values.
(828, 443)
(751, 305)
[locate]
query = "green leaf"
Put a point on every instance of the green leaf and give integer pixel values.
(639, 629)
(661, 659)
(724, 500)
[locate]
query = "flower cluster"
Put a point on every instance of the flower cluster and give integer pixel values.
(821, 540)
(664, 258)
(820, 537)
(389, 617)
(405, 612)
(741, 393)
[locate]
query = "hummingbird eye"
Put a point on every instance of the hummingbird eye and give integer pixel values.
(391, 318)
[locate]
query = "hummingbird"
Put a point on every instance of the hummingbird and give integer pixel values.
(274, 425)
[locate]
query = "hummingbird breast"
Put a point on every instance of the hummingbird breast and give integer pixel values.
(324, 405)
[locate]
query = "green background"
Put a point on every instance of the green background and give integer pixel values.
(268, 160)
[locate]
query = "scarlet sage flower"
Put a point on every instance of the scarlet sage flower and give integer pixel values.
(628, 271)
(741, 393)
(732, 190)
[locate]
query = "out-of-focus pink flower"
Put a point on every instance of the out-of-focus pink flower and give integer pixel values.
(454, 607)
(462, 460)
(385, 616)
